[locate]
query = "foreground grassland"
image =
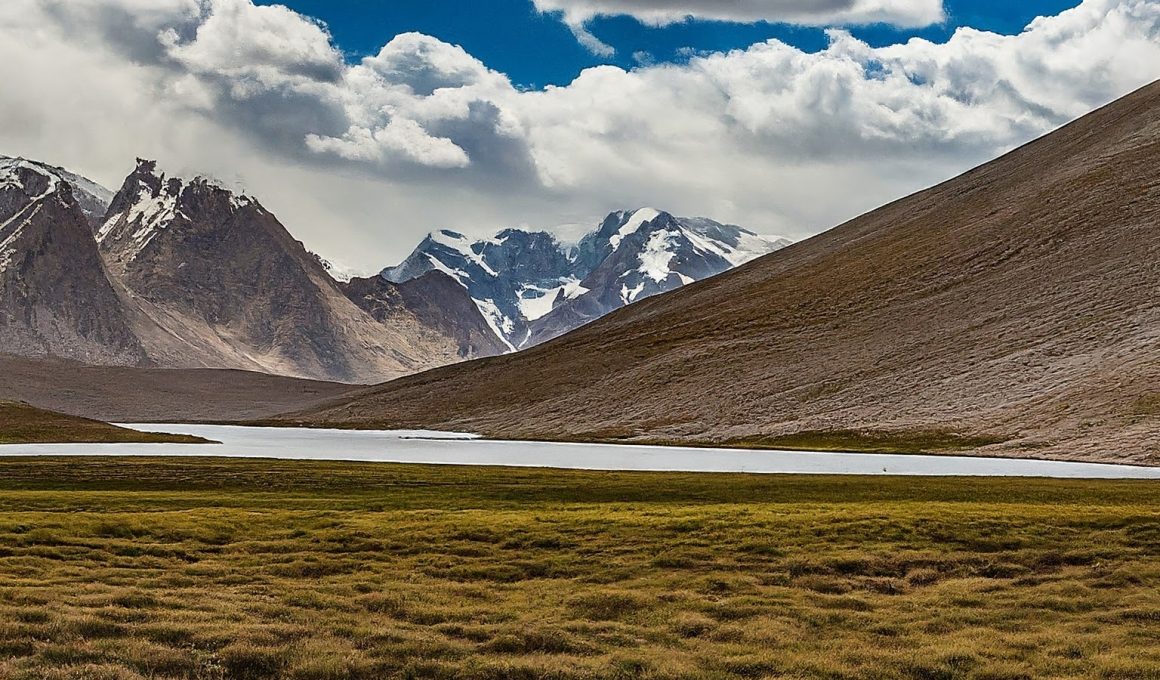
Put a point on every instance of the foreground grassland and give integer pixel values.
(21, 423)
(126, 569)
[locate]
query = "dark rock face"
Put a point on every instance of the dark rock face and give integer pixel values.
(434, 298)
(532, 288)
(55, 297)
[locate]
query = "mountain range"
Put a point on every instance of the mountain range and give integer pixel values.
(186, 274)
(183, 273)
(532, 288)
(1014, 309)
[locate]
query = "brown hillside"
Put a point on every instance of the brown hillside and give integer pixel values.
(22, 423)
(1019, 302)
(135, 395)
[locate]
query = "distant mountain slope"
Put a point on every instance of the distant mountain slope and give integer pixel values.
(437, 300)
(531, 288)
(55, 297)
(1019, 302)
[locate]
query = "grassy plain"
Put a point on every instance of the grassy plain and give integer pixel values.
(119, 569)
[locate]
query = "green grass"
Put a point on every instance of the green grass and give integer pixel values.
(22, 423)
(186, 568)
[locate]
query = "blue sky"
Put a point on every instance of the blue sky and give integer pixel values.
(536, 49)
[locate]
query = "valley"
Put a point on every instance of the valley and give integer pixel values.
(579, 340)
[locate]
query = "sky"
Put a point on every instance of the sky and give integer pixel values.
(536, 48)
(364, 124)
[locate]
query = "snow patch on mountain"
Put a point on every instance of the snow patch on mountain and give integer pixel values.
(464, 246)
(10, 177)
(538, 301)
(500, 324)
(13, 172)
(457, 274)
(627, 295)
(573, 289)
(633, 224)
(658, 253)
(150, 214)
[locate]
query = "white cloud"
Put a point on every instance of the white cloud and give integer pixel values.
(359, 160)
(268, 46)
(396, 136)
(903, 13)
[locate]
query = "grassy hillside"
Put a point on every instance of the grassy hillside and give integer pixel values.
(21, 423)
(164, 568)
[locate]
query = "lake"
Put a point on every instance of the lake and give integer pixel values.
(464, 449)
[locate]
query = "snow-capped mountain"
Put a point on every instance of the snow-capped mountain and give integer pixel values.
(55, 297)
(92, 198)
(512, 277)
(183, 273)
(532, 288)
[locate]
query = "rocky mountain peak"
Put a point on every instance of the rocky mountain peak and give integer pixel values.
(55, 299)
(150, 202)
(531, 287)
(92, 198)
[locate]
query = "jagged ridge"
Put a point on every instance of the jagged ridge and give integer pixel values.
(532, 288)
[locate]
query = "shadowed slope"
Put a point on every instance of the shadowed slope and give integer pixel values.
(1019, 302)
(22, 423)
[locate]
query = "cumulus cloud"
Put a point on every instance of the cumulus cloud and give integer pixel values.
(360, 159)
(902, 13)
